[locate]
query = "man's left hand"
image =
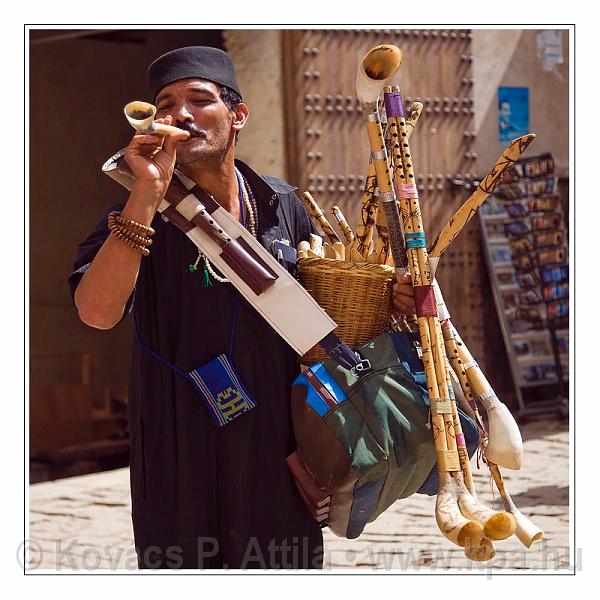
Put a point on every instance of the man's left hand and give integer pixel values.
(403, 295)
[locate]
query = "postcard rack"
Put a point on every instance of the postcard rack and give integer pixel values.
(526, 250)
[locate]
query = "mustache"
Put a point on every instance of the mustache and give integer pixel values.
(192, 129)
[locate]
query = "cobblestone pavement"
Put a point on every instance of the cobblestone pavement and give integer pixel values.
(84, 522)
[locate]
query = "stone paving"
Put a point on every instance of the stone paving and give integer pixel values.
(83, 523)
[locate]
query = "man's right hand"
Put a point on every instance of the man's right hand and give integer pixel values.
(105, 287)
(151, 158)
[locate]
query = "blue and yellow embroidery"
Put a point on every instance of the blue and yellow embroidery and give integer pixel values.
(221, 390)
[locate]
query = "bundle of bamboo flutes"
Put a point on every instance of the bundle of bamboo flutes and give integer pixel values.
(461, 517)
(390, 207)
(362, 246)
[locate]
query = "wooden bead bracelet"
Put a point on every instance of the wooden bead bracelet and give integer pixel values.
(129, 232)
(122, 237)
(130, 224)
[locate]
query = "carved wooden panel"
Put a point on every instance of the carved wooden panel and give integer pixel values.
(328, 150)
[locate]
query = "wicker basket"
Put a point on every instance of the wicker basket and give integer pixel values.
(357, 296)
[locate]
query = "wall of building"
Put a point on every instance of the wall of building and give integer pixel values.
(511, 58)
(257, 58)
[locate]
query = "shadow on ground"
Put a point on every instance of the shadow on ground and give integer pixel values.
(551, 495)
(533, 429)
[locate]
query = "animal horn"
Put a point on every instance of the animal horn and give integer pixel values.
(141, 117)
(378, 66)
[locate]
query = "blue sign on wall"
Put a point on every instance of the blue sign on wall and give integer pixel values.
(513, 112)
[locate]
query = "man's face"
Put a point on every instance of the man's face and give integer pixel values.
(195, 105)
(505, 111)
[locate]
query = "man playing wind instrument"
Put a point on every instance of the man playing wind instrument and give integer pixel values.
(202, 496)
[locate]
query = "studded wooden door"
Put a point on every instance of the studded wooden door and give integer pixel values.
(328, 150)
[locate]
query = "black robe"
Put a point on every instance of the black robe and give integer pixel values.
(205, 496)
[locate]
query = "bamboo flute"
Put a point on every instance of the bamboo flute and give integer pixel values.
(315, 211)
(348, 234)
(370, 216)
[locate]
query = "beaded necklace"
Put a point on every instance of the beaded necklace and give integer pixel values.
(249, 220)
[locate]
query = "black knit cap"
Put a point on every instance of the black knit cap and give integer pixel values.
(203, 62)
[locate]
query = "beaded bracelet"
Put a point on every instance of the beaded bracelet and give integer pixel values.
(123, 238)
(134, 237)
(130, 223)
(126, 230)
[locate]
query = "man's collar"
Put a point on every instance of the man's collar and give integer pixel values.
(265, 187)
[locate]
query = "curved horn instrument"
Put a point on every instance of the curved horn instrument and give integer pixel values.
(504, 445)
(377, 67)
(141, 117)
(526, 531)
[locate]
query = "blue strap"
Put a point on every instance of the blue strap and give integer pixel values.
(233, 318)
(158, 357)
(233, 326)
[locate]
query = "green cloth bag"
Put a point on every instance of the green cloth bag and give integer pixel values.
(366, 439)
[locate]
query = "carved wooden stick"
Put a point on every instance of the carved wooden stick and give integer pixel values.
(463, 215)
(315, 211)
